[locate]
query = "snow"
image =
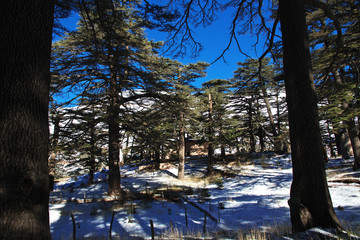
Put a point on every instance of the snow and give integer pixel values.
(253, 195)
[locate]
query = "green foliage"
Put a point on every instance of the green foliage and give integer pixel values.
(219, 126)
(252, 101)
(109, 58)
(335, 53)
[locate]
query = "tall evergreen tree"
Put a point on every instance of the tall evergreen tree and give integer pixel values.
(249, 76)
(183, 109)
(335, 55)
(109, 54)
(83, 136)
(217, 117)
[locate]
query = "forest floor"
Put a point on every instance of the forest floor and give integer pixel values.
(240, 197)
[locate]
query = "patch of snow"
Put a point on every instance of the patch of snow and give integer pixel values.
(256, 196)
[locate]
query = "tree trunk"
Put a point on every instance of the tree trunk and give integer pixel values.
(210, 168)
(222, 145)
(338, 143)
(331, 146)
(251, 129)
(353, 131)
(222, 152)
(345, 144)
(310, 201)
(355, 142)
(114, 140)
(261, 138)
(157, 158)
(181, 169)
(92, 162)
(25, 45)
(277, 143)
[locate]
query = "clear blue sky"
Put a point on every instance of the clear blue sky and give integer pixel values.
(214, 38)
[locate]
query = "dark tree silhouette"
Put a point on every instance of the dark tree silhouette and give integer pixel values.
(310, 202)
(26, 29)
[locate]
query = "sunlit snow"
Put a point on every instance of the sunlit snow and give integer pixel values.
(255, 195)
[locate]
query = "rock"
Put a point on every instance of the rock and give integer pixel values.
(340, 208)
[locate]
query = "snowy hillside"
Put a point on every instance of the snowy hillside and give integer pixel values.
(240, 197)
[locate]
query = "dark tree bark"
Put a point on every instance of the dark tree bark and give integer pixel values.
(25, 45)
(157, 158)
(310, 202)
(261, 135)
(222, 152)
(338, 143)
(114, 141)
(181, 168)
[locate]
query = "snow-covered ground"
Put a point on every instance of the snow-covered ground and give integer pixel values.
(248, 196)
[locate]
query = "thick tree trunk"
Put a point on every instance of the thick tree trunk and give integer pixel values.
(310, 202)
(25, 45)
(181, 168)
(114, 143)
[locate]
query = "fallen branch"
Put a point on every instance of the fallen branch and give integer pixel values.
(201, 209)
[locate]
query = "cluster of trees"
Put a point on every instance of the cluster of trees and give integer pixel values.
(109, 67)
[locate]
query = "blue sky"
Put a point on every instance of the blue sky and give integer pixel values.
(214, 38)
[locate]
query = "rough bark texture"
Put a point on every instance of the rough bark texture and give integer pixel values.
(114, 142)
(181, 168)
(25, 45)
(310, 202)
